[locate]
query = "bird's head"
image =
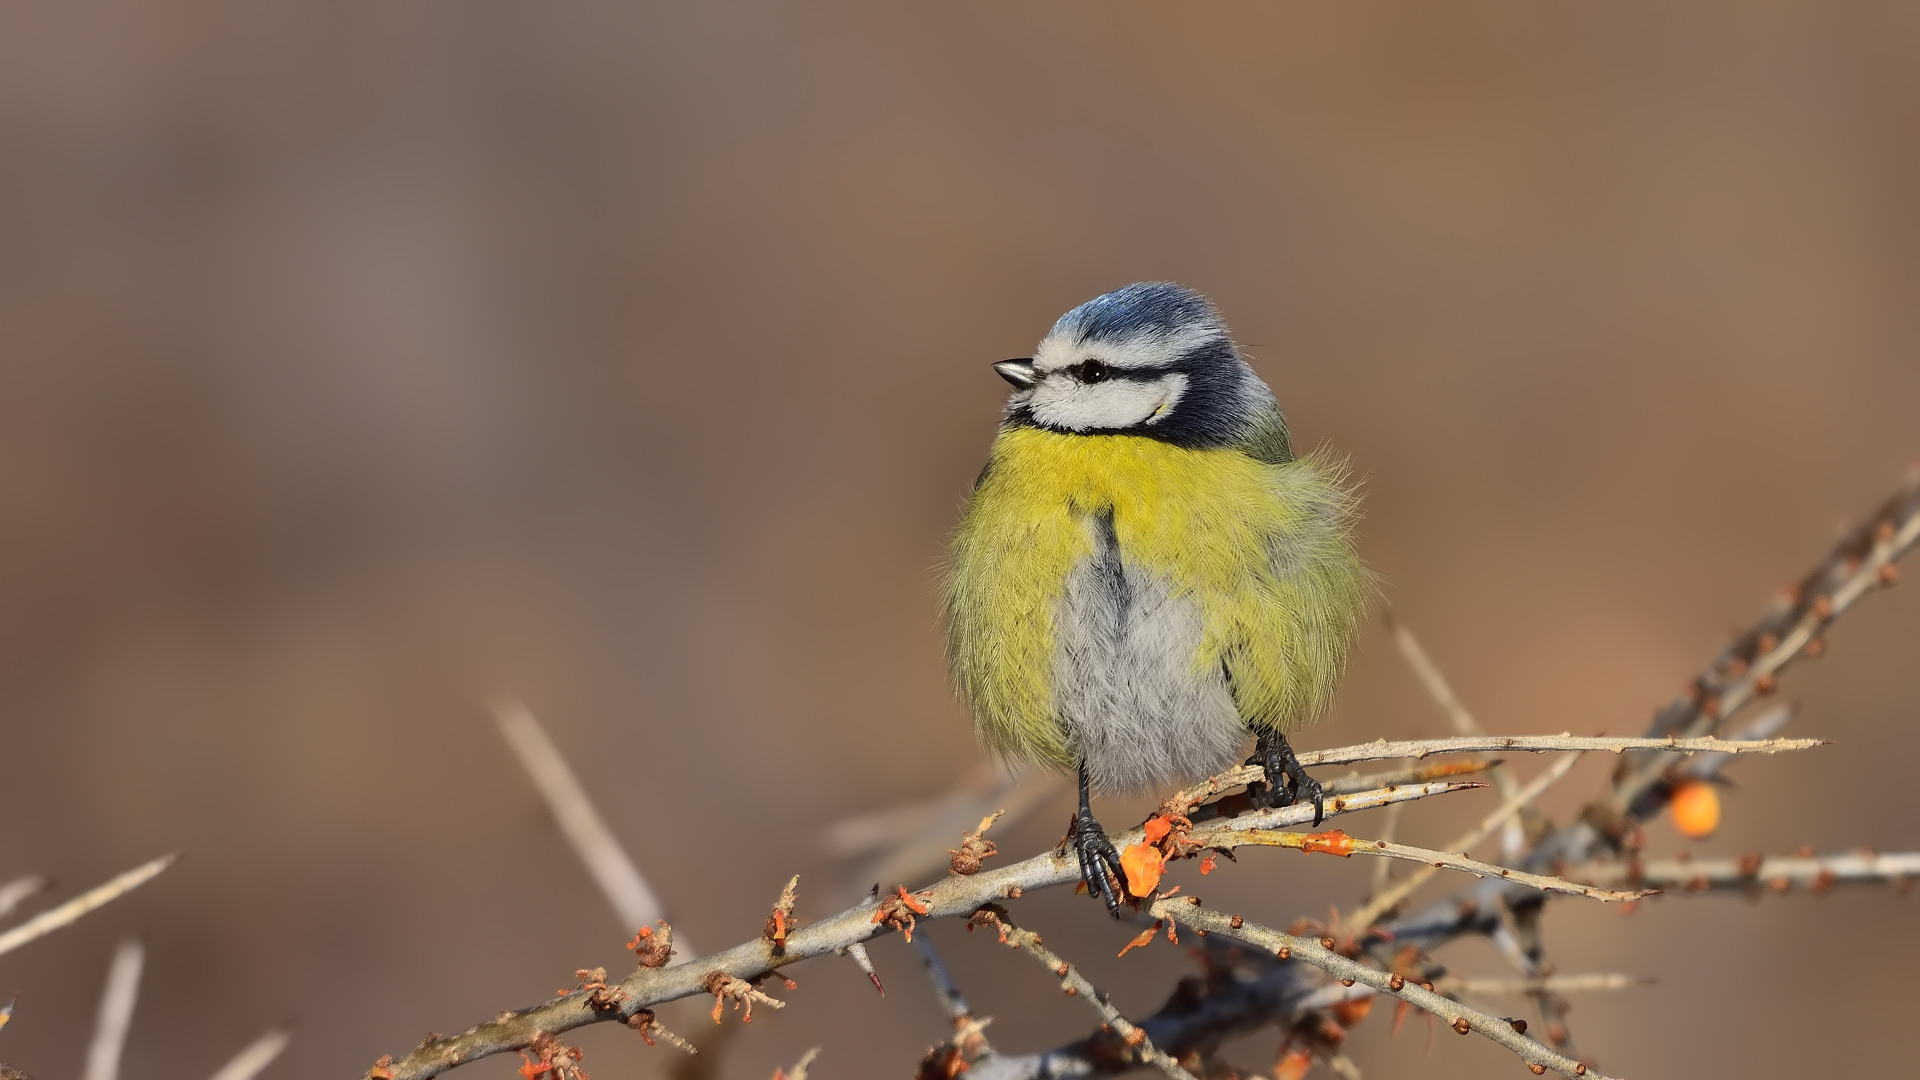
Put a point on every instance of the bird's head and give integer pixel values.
(1152, 359)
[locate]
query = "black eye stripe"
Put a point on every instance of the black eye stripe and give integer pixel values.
(1097, 371)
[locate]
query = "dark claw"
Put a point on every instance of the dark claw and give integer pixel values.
(1287, 782)
(1097, 858)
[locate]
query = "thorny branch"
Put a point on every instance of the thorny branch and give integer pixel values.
(1295, 979)
(954, 896)
(1321, 954)
(1133, 1041)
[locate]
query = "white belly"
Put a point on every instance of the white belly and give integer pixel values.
(1126, 686)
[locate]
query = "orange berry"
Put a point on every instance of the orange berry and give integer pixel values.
(1144, 864)
(1696, 809)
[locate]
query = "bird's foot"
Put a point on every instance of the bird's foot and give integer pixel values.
(1097, 859)
(1287, 780)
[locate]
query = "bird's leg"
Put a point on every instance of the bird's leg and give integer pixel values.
(1273, 754)
(1096, 852)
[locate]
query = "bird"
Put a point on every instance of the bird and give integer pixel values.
(1145, 574)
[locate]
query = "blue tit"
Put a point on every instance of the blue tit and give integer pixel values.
(1145, 574)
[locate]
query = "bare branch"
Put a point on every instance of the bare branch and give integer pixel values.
(954, 896)
(952, 1001)
(1338, 843)
(799, 1070)
(1751, 873)
(1382, 750)
(1385, 901)
(116, 1011)
(250, 1062)
(1553, 984)
(633, 901)
(1318, 953)
(54, 918)
(17, 890)
(1133, 1039)
(1513, 834)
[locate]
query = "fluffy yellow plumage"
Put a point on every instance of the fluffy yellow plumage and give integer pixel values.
(1261, 549)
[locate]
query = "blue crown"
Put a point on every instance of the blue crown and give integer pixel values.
(1146, 307)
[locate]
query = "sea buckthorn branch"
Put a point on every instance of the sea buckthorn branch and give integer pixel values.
(1553, 984)
(1339, 843)
(1513, 834)
(1320, 954)
(1755, 873)
(1516, 802)
(1383, 750)
(1132, 1043)
(968, 1042)
(1860, 563)
(956, 895)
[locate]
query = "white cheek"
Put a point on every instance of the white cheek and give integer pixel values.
(1120, 403)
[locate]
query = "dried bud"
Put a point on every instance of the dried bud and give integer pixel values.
(1889, 574)
(1463, 1025)
(1519, 1026)
(1537, 1068)
(1236, 922)
(653, 948)
(1396, 982)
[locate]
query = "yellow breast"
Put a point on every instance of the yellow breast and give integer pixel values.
(1261, 549)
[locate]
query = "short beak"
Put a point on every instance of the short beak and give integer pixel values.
(1018, 372)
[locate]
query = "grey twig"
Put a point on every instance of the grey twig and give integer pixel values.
(259, 1054)
(1516, 801)
(66, 914)
(1555, 984)
(1132, 1038)
(1382, 750)
(953, 896)
(633, 901)
(1755, 873)
(116, 1011)
(1343, 845)
(1320, 954)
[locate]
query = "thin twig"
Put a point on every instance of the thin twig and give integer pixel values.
(1856, 566)
(952, 1001)
(116, 1011)
(1338, 843)
(969, 1040)
(954, 895)
(1074, 984)
(1385, 901)
(799, 1070)
(17, 890)
(54, 918)
(633, 901)
(250, 1062)
(1513, 835)
(1554, 984)
(1461, 1018)
(1776, 873)
(1389, 831)
(1383, 750)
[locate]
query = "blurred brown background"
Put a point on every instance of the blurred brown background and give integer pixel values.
(362, 360)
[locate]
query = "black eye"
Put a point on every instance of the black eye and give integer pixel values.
(1092, 371)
